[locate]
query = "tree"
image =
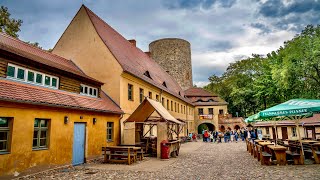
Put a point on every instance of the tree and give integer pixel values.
(9, 25)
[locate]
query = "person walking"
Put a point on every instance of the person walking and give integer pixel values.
(236, 136)
(232, 135)
(206, 136)
(211, 136)
(194, 137)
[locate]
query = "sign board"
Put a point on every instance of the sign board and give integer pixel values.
(206, 116)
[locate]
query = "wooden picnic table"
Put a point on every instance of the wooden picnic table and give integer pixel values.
(280, 153)
(121, 154)
(265, 143)
(258, 140)
(309, 141)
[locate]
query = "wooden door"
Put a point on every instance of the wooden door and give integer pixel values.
(284, 133)
(78, 143)
(273, 133)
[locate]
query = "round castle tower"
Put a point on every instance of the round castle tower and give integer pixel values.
(174, 55)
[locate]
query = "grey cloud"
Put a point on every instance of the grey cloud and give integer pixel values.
(276, 8)
(192, 4)
(262, 27)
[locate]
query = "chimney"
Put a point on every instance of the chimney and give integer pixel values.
(133, 42)
(148, 53)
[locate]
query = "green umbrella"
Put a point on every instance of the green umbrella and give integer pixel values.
(295, 109)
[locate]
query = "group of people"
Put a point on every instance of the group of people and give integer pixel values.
(228, 135)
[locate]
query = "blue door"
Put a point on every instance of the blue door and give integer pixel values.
(78, 143)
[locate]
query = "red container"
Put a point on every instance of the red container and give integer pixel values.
(165, 150)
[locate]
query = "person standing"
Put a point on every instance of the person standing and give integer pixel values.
(232, 135)
(236, 136)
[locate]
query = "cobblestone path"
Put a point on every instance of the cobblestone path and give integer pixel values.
(205, 161)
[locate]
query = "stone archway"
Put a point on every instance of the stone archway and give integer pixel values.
(236, 127)
(205, 126)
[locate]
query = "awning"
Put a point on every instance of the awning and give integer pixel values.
(146, 108)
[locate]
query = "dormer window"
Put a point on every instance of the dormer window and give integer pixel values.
(199, 100)
(88, 91)
(147, 74)
(164, 84)
(19, 73)
(179, 93)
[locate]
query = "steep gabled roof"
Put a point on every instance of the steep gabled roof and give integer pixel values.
(15, 46)
(198, 92)
(132, 59)
(30, 94)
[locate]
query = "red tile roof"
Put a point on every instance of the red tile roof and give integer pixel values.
(132, 59)
(199, 92)
(31, 94)
(15, 46)
(196, 94)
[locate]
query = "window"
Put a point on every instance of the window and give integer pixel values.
(4, 134)
(171, 106)
(164, 84)
(184, 109)
(178, 108)
(11, 71)
(141, 94)
(20, 74)
(294, 131)
(40, 134)
(175, 107)
(157, 97)
(220, 111)
(200, 111)
(47, 80)
(23, 74)
(210, 110)
(162, 101)
(88, 91)
(39, 78)
(130, 92)
(30, 76)
(267, 130)
(181, 109)
(109, 131)
(147, 74)
(168, 104)
(150, 95)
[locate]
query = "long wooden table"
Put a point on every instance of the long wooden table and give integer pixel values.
(121, 154)
(280, 153)
(309, 141)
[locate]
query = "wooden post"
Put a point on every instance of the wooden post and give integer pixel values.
(129, 159)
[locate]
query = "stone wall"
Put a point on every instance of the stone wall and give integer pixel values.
(174, 55)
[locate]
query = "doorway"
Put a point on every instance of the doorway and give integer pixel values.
(284, 131)
(78, 151)
(205, 126)
(310, 132)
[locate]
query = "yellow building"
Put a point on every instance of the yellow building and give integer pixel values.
(208, 109)
(51, 113)
(129, 75)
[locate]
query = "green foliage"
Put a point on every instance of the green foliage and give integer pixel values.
(256, 83)
(9, 25)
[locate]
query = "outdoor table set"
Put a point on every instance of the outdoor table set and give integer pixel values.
(122, 154)
(267, 152)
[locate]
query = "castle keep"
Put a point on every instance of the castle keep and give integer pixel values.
(174, 56)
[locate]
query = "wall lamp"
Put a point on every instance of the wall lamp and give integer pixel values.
(94, 120)
(66, 120)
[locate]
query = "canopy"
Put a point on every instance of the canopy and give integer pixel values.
(146, 108)
(294, 107)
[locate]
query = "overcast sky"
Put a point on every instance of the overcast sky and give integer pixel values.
(220, 31)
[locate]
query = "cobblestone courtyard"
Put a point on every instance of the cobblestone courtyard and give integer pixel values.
(197, 160)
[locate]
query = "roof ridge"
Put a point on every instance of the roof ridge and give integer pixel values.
(170, 91)
(34, 47)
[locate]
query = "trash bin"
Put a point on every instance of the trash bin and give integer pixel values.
(165, 150)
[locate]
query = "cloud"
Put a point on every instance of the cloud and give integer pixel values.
(220, 31)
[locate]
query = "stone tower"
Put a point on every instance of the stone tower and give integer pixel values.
(174, 55)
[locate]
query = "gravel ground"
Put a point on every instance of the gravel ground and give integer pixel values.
(208, 161)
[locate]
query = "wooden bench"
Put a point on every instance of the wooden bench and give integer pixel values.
(120, 154)
(266, 157)
(294, 156)
(258, 151)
